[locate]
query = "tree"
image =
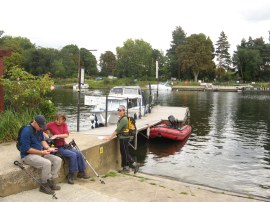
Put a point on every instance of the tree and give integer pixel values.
(70, 60)
(196, 54)
(135, 58)
(222, 52)
(107, 63)
(88, 61)
(19, 46)
(178, 38)
(164, 71)
(248, 63)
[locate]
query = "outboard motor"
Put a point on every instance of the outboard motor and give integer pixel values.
(172, 121)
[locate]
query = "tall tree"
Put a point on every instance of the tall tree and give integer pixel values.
(88, 61)
(70, 59)
(178, 38)
(222, 52)
(196, 54)
(135, 58)
(18, 45)
(247, 60)
(107, 63)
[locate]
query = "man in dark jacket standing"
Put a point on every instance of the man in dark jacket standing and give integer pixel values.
(35, 151)
(122, 132)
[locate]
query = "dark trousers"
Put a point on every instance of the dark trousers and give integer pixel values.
(76, 160)
(124, 150)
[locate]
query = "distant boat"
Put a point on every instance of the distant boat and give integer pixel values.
(165, 86)
(132, 97)
(83, 86)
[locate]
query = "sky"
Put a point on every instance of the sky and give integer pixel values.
(106, 24)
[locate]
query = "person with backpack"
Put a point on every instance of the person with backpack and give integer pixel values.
(35, 152)
(123, 135)
(59, 130)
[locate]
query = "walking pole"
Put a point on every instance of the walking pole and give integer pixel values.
(73, 144)
(17, 163)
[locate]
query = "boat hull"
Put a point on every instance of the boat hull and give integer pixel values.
(165, 131)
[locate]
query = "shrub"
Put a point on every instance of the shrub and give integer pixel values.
(25, 97)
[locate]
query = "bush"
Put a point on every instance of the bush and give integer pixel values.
(25, 97)
(10, 123)
(24, 91)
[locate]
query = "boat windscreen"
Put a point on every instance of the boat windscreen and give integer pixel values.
(132, 91)
(116, 91)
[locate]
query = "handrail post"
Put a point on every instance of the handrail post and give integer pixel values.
(106, 111)
(127, 106)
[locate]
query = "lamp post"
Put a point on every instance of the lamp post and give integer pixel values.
(79, 88)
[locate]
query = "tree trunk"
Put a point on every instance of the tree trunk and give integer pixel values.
(196, 74)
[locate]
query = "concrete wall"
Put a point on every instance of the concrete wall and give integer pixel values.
(103, 158)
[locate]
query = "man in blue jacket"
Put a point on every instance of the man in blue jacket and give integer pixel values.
(35, 151)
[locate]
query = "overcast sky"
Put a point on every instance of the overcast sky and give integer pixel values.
(106, 24)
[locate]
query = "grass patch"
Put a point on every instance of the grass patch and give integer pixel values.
(111, 174)
(11, 122)
(184, 193)
(142, 180)
(152, 183)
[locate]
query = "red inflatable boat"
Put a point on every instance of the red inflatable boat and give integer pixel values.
(166, 131)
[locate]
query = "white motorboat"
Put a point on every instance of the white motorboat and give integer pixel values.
(161, 86)
(83, 86)
(132, 97)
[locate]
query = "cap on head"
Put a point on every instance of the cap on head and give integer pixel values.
(41, 121)
(122, 107)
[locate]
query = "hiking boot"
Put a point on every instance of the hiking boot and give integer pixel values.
(45, 188)
(136, 167)
(70, 178)
(125, 170)
(83, 175)
(53, 186)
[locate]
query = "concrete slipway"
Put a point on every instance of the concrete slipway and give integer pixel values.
(105, 157)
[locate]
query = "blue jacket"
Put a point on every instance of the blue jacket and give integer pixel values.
(30, 138)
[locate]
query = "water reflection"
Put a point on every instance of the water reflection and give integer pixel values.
(229, 146)
(164, 147)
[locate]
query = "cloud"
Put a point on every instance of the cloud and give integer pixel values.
(259, 14)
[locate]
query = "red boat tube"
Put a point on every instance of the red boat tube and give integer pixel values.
(165, 131)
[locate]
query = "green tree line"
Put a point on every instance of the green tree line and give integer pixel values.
(189, 58)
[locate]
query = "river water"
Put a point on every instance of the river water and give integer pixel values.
(228, 149)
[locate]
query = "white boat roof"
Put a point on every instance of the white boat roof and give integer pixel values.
(136, 87)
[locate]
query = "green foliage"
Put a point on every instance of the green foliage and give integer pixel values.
(108, 64)
(10, 123)
(24, 91)
(222, 52)
(111, 174)
(248, 63)
(196, 54)
(25, 97)
(178, 38)
(134, 59)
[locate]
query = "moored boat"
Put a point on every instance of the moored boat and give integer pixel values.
(132, 97)
(165, 130)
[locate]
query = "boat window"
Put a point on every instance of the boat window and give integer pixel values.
(132, 103)
(131, 91)
(116, 91)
